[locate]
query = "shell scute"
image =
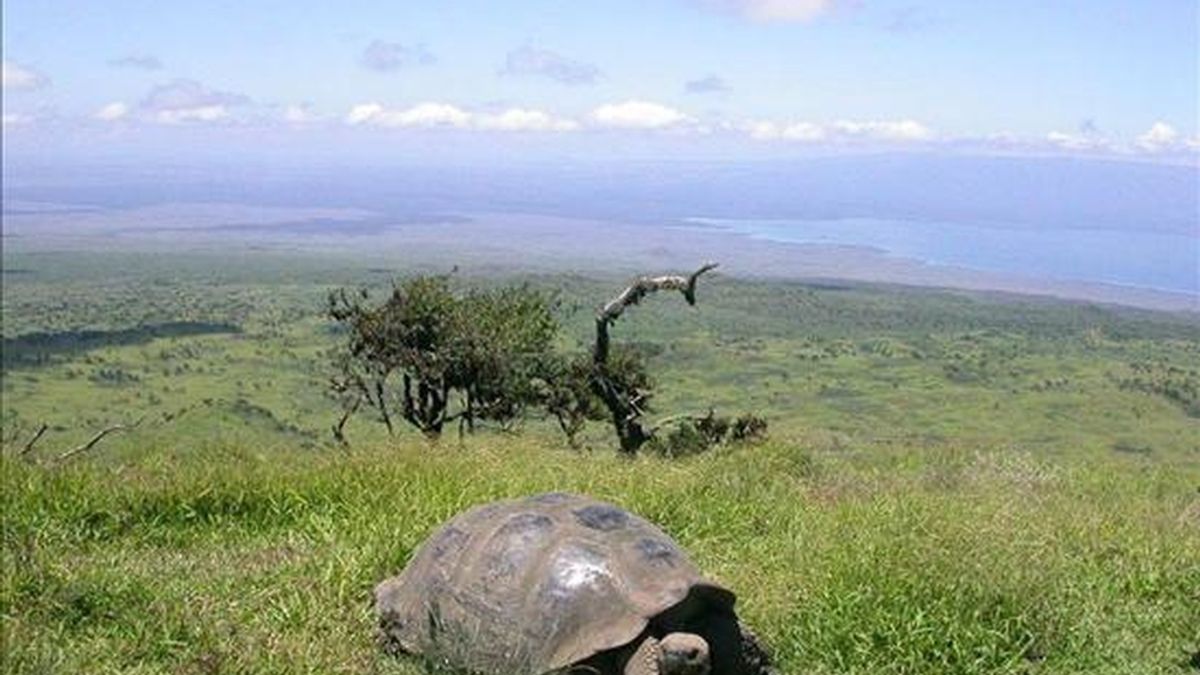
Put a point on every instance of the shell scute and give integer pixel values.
(603, 517)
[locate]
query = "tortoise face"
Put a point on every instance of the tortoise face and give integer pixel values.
(684, 654)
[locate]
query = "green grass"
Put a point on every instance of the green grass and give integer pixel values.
(845, 560)
(954, 483)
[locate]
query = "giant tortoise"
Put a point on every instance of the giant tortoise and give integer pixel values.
(559, 583)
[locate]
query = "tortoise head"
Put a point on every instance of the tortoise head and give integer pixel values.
(674, 654)
(683, 654)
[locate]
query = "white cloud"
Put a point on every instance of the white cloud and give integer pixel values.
(786, 10)
(899, 130)
(1161, 136)
(421, 115)
(363, 112)
(797, 131)
(447, 116)
(181, 101)
(112, 112)
(775, 10)
(20, 77)
(1067, 141)
(433, 115)
(842, 130)
(638, 115)
(762, 131)
(803, 131)
(300, 114)
(15, 119)
(524, 119)
(204, 113)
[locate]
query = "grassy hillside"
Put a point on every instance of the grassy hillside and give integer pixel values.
(856, 559)
(954, 483)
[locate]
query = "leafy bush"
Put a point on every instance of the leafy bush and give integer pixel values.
(427, 345)
(691, 436)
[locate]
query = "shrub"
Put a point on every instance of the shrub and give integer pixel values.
(427, 345)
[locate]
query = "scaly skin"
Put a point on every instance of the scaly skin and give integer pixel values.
(674, 654)
(644, 661)
(684, 654)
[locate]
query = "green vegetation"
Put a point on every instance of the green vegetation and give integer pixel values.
(435, 356)
(425, 346)
(952, 483)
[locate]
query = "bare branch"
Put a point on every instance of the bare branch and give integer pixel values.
(64, 457)
(632, 295)
(624, 406)
(32, 441)
(339, 429)
(644, 286)
(381, 403)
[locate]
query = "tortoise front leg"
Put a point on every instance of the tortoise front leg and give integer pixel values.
(645, 659)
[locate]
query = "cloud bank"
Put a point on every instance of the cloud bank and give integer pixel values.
(841, 131)
(635, 114)
(425, 115)
(631, 115)
(525, 119)
(432, 115)
(184, 101)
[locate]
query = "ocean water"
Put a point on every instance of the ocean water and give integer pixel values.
(1161, 260)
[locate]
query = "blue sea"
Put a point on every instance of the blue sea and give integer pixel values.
(1160, 260)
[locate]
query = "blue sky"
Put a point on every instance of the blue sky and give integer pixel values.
(649, 77)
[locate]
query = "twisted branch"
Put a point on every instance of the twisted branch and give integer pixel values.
(64, 457)
(624, 406)
(32, 441)
(632, 295)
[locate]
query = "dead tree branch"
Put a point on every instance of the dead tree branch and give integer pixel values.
(625, 406)
(28, 448)
(100, 435)
(632, 295)
(339, 429)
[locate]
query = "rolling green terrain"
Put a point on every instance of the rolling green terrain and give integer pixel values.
(953, 482)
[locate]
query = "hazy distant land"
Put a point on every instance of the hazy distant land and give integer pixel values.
(514, 242)
(1100, 231)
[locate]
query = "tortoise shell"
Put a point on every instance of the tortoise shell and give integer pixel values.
(537, 585)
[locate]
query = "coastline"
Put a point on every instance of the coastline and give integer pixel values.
(521, 243)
